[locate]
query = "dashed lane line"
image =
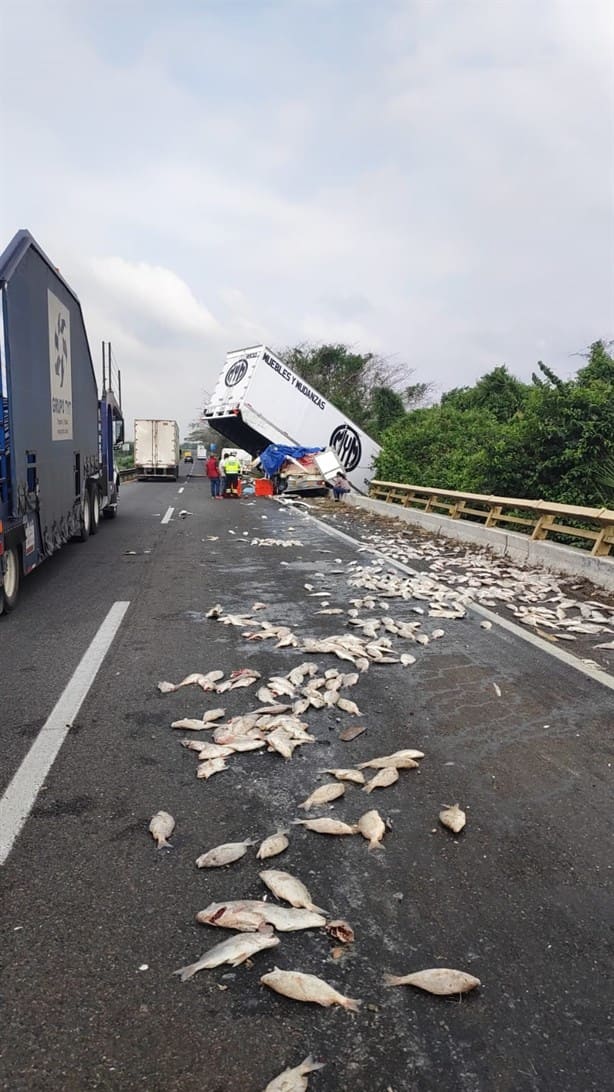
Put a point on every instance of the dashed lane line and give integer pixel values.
(166, 518)
(20, 796)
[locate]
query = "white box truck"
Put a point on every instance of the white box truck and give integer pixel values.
(156, 449)
(259, 401)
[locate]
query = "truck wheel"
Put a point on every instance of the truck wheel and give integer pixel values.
(11, 578)
(95, 510)
(86, 517)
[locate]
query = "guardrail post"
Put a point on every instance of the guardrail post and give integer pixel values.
(604, 542)
(493, 512)
(542, 527)
(456, 510)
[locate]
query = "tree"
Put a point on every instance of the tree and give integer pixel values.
(369, 389)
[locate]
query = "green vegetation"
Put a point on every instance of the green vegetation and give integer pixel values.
(551, 438)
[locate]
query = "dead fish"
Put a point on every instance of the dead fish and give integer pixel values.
(224, 854)
(212, 750)
(249, 915)
(326, 826)
(288, 888)
(234, 951)
(349, 707)
(330, 610)
(485, 624)
(347, 775)
(210, 767)
(279, 740)
(440, 980)
(403, 760)
(266, 696)
(340, 930)
(323, 795)
(245, 743)
(273, 845)
(407, 659)
(497, 689)
(437, 633)
(259, 606)
(372, 827)
(213, 714)
(161, 827)
(383, 778)
(166, 687)
(194, 744)
(301, 706)
(294, 1080)
(189, 724)
(307, 987)
(453, 818)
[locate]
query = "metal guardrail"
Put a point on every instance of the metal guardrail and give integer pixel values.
(533, 517)
(128, 474)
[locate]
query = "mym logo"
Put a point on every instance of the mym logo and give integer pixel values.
(346, 442)
(236, 373)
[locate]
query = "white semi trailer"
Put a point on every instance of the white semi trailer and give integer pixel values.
(156, 449)
(259, 401)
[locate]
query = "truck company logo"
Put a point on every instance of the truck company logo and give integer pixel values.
(346, 442)
(294, 380)
(236, 373)
(60, 371)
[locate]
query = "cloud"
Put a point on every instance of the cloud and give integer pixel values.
(425, 179)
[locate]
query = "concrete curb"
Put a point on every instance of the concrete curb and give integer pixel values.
(518, 547)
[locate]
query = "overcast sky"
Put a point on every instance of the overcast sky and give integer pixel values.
(429, 179)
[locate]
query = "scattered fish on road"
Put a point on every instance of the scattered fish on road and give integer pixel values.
(224, 854)
(453, 817)
(323, 795)
(161, 827)
(290, 889)
(273, 845)
(309, 988)
(294, 1080)
(234, 951)
(442, 981)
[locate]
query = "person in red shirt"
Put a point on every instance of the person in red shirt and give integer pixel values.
(212, 470)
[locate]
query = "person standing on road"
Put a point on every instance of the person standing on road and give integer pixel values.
(340, 485)
(231, 468)
(212, 470)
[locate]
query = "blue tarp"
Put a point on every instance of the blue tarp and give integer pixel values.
(274, 456)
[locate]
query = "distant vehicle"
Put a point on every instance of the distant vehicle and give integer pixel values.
(201, 451)
(156, 449)
(259, 401)
(188, 457)
(244, 457)
(57, 470)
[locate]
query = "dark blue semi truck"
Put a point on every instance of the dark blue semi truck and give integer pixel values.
(57, 471)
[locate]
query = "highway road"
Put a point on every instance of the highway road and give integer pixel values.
(94, 919)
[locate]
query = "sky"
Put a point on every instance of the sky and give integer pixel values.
(431, 180)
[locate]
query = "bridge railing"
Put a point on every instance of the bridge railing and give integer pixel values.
(536, 518)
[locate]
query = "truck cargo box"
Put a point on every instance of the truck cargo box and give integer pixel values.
(156, 449)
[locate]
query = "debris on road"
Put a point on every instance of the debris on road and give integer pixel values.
(309, 988)
(453, 818)
(294, 1080)
(442, 981)
(224, 854)
(234, 951)
(161, 827)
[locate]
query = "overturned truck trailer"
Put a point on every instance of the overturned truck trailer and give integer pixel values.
(57, 471)
(259, 401)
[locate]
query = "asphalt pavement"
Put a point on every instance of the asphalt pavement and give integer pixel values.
(94, 919)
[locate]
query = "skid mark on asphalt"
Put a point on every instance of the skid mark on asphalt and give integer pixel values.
(21, 794)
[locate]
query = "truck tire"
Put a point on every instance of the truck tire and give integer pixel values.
(86, 517)
(11, 578)
(94, 510)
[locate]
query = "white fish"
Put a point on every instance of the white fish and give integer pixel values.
(249, 915)
(279, 740)
(330, 610)
(245, 743)
(210, 767)
(372, 827)
(166, 687)
(273, 845)
(213, 714)
(326, 826)
(485, 624)
(212, 750)
(497, 689)
(383, 778)
(437, 633)
(407, 659)
(440, 980)
(453, 817)
(349, 707)
(161, 827)
(234, 951)
(403, 760)
(307, 987)
(323, 795)
(224, 854)
(290, 889)
(190, 724)
(294, 1080)
(347, 775)
(266, 696)
(259, 606)
(278, 686)
(194, 744)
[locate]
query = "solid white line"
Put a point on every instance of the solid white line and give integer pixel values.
(17, 802)
(182, 489)
(166, 518)
(596, 673)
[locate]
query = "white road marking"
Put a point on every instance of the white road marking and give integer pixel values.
(182, 489)
(166, 518)
(18, 800)
(596, 673)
